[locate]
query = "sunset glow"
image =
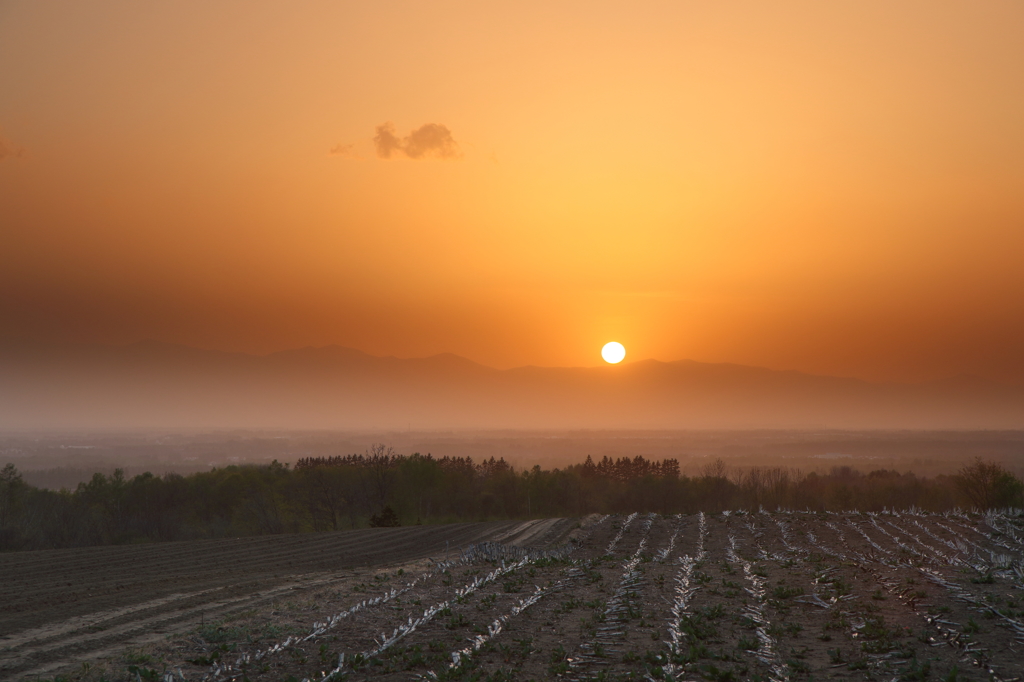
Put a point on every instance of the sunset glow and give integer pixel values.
(835, 188)
(360, 277)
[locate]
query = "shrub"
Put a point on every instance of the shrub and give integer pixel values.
(386, 519)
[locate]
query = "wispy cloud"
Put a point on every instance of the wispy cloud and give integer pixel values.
(346, 151)
(431, 140)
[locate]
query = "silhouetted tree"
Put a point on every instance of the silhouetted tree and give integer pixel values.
(381, 487)
(13, 491)
(988, 485)
(386, 519)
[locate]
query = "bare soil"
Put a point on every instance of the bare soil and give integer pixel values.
(60, 609)
(763, 596)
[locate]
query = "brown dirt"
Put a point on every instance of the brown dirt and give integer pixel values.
(778, 596)
(64, 607)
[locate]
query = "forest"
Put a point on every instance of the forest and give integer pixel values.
(384, 488)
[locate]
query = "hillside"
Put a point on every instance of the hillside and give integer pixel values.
(153, 384)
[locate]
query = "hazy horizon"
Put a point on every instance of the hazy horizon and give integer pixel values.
(55, 459)
(35, 344)
(159, 385)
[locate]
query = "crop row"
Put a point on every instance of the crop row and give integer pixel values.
(778, 596)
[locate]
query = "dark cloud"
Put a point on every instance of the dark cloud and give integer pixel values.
(386, 141)
(431, 140)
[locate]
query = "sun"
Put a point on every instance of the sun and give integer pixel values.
(613, 352)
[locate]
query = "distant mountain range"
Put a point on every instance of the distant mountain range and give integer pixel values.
(151, 384)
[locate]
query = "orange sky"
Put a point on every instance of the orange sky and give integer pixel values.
(832, 187)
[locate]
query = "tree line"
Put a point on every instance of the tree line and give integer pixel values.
(384, 488)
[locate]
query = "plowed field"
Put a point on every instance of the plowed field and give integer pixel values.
(59, 608)
(764, 596)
